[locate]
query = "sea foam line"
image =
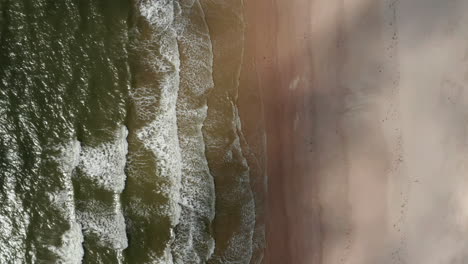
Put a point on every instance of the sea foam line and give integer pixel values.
(105, 166)
(71, 249)
(193, 240)
(222, 133)
(154, 160)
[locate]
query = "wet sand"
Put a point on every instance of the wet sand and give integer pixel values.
(277, 51)
(364, 108)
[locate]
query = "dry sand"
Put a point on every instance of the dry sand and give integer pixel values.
(365, 109)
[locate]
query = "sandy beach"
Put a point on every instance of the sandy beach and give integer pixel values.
(363, 103)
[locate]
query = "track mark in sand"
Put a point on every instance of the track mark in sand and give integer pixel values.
(348, 245)
(392, 122)
(451, 92)
(341, 49)
(396, 254)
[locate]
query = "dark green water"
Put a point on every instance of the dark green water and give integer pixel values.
(118, 136)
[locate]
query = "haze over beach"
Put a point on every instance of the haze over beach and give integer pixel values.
(365, 110)
(233, 131)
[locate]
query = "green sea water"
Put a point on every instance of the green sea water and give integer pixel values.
(119, 137)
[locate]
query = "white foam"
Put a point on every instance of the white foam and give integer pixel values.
(106, 223)
(71, 250)
(160, 136)
(159, 13)
(155, 103)
(105, 165)
(193, 242)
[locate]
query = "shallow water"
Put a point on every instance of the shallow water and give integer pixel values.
(119, 133)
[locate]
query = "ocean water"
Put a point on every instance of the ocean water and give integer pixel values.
(120, 139)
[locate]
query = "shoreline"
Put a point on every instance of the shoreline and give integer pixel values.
(362, 117)
(278, 75)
